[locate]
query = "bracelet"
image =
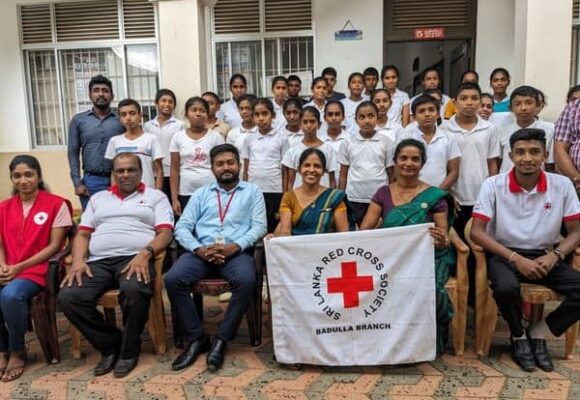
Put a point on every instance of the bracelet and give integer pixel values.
(512, 256)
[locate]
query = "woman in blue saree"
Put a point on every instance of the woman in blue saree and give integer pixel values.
(312, 208)
(409, 201)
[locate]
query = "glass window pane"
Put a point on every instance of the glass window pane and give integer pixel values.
(47, 124)
(271, 50)
(246, 58)
(222, 69)
(297, 58)
(143, 77)
(79, 66)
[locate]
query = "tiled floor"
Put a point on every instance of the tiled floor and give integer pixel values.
(253, 374)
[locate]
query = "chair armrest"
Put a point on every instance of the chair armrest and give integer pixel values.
(259, 256)
(456, 241)
(56, 270)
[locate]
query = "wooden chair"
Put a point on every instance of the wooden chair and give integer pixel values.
(155, 324)
(217, 286)
(457, 288)
(486, 310)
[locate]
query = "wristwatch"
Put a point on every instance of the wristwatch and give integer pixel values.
(560, 255)
(150, 250)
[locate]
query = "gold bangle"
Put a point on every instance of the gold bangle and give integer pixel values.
(512, 256)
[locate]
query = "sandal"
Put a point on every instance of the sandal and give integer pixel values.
(4, 357)
(13, 373)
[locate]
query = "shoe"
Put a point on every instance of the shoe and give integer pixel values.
(124, 366)
(215, 356)
(106, 365)
(541, 355)
(522, 354)
(190, 353)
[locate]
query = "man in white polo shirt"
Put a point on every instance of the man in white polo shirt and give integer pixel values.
(517, 219)
(121, 231)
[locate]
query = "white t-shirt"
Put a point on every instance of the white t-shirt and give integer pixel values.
(230, 114)
(350, 113)
(392, 130)
(195, 165)
(320, 110)
(440, 150)
(292, 161)
(398, 100)
(238, 135)
(504, 142)
(164, 135)
(335, 143)
(526, 219)
(146, 147)
(368, 160)
(476, 146)
(265, 153)
(293, 137)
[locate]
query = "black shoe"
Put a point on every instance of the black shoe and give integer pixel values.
(106, 365)
(124, 366)
(215, 356)
(541, 355)
(190, 353)
(522, 354)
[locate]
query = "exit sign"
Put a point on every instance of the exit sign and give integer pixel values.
(429, 33)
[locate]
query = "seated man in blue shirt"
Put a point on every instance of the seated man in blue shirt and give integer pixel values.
(218, 227)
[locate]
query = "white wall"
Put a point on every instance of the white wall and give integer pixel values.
(348, 56)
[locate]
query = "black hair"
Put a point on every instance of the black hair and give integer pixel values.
(212, 94)
(371, 71)
(249, 97)
(528, 134)
(165, 92)
(292, 101)
(381, 90)
(336, 103)
(437, 91)
(100, 80)
(355, 74)
(312, 110)
(196, 99)
(329, 71)
(528, 91)
(424, 99)
(224, 148)
(366, 103)
(240, 77)
(279, 79)
(32, 163)
(266, 102)
(309, 151)
(468, 86)
(430, 69)
(411, 143)
(294, 78)
(489, 96)
(571, 91)
(129, 155)
(500, 70)
(387, 68)
(129, 102)
(470, 71)
(316, 80)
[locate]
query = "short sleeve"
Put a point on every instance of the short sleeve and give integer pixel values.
(389, 162)
(163, 212)
(331, 162)
(453, 150)
(287, 202)
(284, 145)
(231, 136)
(245, 150)
(288, 160)
(156, 148)
(175, 143)
(549, 129)
(571, 202)
(493, 151)
(484, 207)
(87, 219)
(343, 153)
(563, 130)
(63, 217)
(440, 207)
(110, 152)
(380, 196)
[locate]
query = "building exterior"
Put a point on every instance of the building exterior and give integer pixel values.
(50, 48)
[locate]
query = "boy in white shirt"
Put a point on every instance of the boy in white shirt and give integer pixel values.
(355, 97)
(371, 78)
(136, 141)
(431, 80)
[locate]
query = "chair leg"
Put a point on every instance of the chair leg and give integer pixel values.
(53, 337)
(75, 336)
(156, 324)
(110, 316)
(251, 321)
(39, 315)
(455, 330)
(537, 313)
(571, 334)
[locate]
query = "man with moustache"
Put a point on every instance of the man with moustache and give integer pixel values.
(218, 229)
(88, 135)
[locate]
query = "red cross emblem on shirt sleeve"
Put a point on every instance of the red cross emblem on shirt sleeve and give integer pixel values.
(350, 284)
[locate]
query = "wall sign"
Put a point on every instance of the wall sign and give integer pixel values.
(348, 34)
(429, 33)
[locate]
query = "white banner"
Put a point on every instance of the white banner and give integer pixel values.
(354, 298)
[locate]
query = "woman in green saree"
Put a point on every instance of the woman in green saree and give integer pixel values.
(409, 201)
(312, 208)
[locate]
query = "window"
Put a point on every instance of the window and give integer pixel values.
(574, 66)
(261, 39)
(63, 54)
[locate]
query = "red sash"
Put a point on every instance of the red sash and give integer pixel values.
(24, 237)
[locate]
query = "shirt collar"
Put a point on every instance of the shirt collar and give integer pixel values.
(92, 112)
(514, 186)
(240, 186)
(375, 136)
(115, 190)
(481, 124)
(251, 130)
(169, 121)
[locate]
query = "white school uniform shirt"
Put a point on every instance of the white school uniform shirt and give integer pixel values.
(292, 160)
(476, 146)
(444, 100)
(392, 130)
(336, 142)
(230, 114)
(238, 135)
(146, 147)
(320, 110)
(526, 219)
(265, 153)
(440, 150)
(194, 164)
(368, 160)
(293, 137)
(350, 113)
(504, 142)
(164, 135)
(398, 100)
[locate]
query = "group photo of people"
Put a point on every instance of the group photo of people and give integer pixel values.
(208, 187)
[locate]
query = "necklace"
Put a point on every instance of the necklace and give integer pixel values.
(403, 197)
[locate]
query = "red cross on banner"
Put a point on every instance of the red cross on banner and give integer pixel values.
(350, 284)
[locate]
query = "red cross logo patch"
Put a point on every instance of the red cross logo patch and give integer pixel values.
(40, 218)
(350, 284)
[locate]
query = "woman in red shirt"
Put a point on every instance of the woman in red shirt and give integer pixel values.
(33, 226)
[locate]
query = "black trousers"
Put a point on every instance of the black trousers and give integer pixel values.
(358, 210)
(272, 209)
(505, 283)
(79, 304)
